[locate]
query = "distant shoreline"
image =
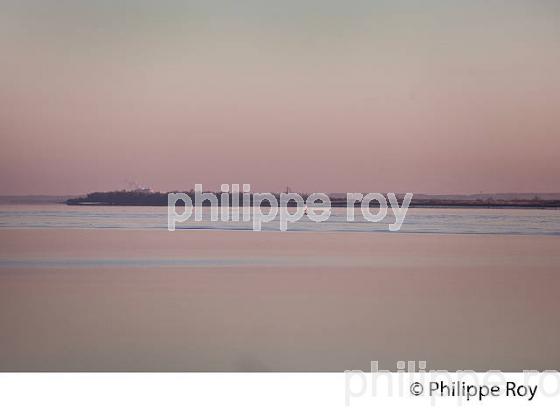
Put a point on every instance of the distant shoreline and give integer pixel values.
(136, 198)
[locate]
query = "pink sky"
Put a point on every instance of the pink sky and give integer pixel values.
(433, 100)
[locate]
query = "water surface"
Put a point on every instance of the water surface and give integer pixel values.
(110, 289)
(418, 220)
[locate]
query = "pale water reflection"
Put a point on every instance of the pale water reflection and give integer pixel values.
(208, 300)
(433, 220)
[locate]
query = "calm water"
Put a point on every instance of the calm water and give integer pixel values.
(210, 300)
(437, 221)
(218, 298)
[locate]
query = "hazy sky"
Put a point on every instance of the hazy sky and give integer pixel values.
(435, 96)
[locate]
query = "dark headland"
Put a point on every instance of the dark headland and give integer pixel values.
(148, 198)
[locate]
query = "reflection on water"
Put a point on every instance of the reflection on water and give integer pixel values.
(152, 300)
(455, 221)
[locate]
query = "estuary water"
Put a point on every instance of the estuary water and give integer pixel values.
(418, 220)
(110, 289)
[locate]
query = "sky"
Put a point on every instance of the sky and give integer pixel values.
(431, 96)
